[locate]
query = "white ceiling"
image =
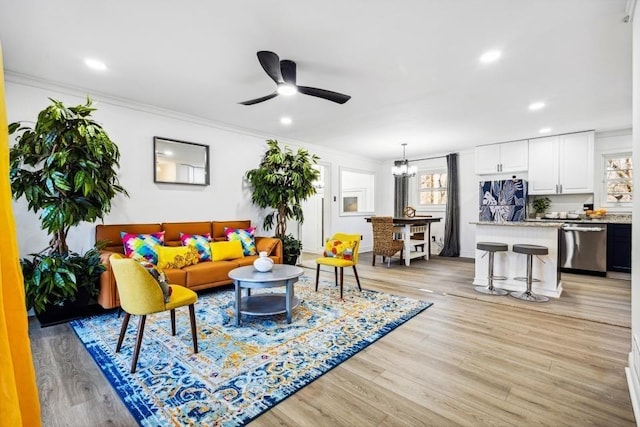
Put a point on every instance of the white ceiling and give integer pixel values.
(411, 66)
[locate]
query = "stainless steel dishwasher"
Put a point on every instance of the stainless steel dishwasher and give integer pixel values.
(583, 248)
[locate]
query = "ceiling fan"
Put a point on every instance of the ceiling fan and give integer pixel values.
(284, 74)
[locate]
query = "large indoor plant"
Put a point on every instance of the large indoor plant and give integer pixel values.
(65, 167)
(282, 182)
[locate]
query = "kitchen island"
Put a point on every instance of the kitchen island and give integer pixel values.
(512, 265)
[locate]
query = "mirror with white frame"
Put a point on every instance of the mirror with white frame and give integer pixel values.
(357, 190)
(180, 162)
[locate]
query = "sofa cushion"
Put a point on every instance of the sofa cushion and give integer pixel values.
(221, 251)
(176, 276)
(142, 246)
(217, 228)
(109, 234)
(267, 244)
(174, 229)
(208, 272)
(200, 242)
(245, 236)
(247, 260)
(176, 257)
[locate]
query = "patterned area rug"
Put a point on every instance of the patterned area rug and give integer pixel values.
(239, 372)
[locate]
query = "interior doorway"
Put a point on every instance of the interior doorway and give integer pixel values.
(317, 212)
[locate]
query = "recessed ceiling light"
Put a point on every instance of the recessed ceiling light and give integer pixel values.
(95, 64)
(286, 120)
(545, 130)
(490, 56)
(536, 106)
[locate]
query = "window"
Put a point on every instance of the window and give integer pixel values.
(432, 187)
(618, 179)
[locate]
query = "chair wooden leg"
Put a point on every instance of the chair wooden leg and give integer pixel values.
(123, 330)
(194, 336)
(317, 276)
(173, 322)
(373, 261)
(341, 280)
(335, 272)
(357, 278)
(136, 352)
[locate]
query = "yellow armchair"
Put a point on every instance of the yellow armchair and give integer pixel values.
(338, 262)
(141, 295)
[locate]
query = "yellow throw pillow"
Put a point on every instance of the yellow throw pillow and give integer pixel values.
(176, 256)
(226, 250)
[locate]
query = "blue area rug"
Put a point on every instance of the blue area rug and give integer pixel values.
(239, 372)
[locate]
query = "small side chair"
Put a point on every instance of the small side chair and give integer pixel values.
(383, 242)
(338, 262)
(141, 295)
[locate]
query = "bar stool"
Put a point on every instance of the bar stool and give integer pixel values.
(530, 251)
(491, 248)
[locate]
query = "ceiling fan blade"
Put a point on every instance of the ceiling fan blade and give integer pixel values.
(288, 69)
(257, 100)
(324, 94)
(271, 64)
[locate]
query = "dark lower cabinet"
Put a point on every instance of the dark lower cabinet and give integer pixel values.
(619, 247)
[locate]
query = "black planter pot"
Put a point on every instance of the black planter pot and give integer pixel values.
(70, 310)
(290, 259)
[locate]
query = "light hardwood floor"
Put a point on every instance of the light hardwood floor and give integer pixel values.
(468, 360)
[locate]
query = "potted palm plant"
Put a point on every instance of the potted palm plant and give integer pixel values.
(282, 182)
(65, 167)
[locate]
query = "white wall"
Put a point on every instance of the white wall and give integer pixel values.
(132, 127)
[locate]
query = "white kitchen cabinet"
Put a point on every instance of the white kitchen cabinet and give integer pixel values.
(561, 164)
(506, 157)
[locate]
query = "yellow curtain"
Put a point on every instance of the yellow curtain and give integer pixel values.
(19, 404)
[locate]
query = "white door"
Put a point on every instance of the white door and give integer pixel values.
(316, 211)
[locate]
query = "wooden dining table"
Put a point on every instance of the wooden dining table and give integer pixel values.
(408, 226)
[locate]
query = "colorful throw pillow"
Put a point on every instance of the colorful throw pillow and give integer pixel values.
(176, 256)
(246, 237)
(339, 249)
(142, 246)
(226, 250)
(200, 242)
(160, 278)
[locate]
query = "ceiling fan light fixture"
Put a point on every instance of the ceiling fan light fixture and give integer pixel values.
(286, 89)
(490, 56)
(539, 105)
(401, 168)
(95, 64)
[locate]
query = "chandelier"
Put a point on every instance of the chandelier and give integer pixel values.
(401, 168)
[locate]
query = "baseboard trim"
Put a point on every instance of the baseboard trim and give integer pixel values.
(634, 388)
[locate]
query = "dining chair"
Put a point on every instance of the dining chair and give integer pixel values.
(383, 242)
(340, 251)
(140, 295)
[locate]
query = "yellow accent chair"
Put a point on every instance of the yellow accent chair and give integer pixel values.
(141, 295)
(383, 242)
(340, 263)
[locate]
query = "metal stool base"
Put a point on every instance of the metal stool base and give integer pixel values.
(529, 296)
(487, 291)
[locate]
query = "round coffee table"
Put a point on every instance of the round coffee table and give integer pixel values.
(265, 304)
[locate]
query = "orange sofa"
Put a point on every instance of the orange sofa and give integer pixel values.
(203, 275)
